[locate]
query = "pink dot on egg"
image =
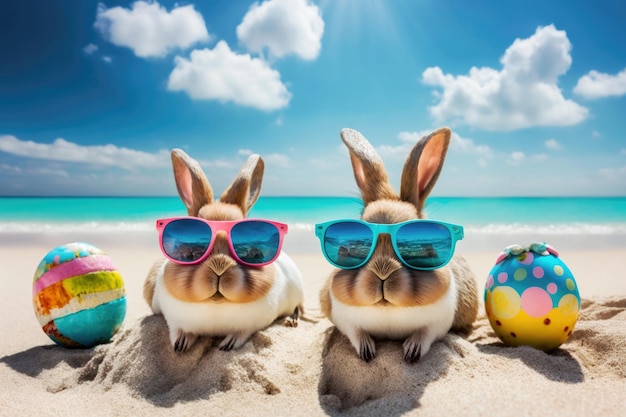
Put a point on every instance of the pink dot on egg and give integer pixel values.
(528, 258)
(501, 257)
(538, 272)
(552, 288)
(489, 281)
(536, 302)
(57, 259)
(502, 277)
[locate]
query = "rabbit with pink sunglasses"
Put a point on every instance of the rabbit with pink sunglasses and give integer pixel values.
(223, 274)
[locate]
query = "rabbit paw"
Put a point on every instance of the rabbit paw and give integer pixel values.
(417, 345)
(364, 345)
(233, 341)
(292, 320)
(182, 341)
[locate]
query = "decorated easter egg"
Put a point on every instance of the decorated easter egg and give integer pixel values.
(531, 297)
(78, 295)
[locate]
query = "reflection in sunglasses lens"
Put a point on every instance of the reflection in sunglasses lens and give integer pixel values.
(186, 240)
(423, 244)
(348, 244)
(255, 242)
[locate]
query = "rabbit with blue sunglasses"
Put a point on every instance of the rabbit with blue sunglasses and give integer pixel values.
(397, 276)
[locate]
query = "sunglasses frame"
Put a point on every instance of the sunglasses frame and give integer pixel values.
(225, 226)
(456, 234)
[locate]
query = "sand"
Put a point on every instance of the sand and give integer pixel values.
(311, 370)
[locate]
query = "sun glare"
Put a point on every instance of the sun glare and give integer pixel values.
(356, 16)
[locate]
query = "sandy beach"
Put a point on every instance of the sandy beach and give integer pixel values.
(312, 369)
(502, 122)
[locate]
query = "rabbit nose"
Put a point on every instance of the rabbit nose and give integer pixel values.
(219, 264)
(384, 261)
(383, 267)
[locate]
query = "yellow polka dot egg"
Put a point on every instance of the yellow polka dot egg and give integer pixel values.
(531, 297)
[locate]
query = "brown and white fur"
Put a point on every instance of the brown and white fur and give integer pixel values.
(219, 297)
(384, 299)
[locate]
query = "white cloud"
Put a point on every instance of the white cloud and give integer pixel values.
(221, 74)
(523, 93)
(278, 160)
(10, 169)
(90, 49)
(468, 146)
(623, 151)
(411, 138)
(614, 173)
(103, 155)
(273, 159)
(49, 172)
(284, 27)
(552, 144)
(149, 29)
(598, 85)
(457, 144)
(219, 163)
(516, 158)
(245, 152)
(407, 139)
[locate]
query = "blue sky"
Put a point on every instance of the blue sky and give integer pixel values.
(94, 95)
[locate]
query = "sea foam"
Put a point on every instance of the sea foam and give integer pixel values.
(303, 227)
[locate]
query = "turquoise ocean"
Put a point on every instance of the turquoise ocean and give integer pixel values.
(489, 215)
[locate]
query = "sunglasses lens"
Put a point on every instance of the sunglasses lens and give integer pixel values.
(348, 244)
(424, 244)
(255, 242)
(186, 240)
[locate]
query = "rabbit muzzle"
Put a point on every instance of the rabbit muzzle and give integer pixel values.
(384, 282)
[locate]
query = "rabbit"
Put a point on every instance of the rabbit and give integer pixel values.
(385, 299)
(218, 296)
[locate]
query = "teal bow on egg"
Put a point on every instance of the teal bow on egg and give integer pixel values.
(540, 248)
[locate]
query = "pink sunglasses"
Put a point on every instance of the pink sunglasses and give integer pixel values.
(189, 240)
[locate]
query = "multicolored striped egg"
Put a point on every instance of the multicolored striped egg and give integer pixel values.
(531, 297)
(78, 295)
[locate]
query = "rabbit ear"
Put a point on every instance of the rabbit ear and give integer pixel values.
(423, 166)
(193, 186)
(246, 187)
(369, 170)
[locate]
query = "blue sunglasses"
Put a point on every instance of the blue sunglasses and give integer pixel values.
(419, 244)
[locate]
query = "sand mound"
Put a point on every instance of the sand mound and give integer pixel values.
(313, 370)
